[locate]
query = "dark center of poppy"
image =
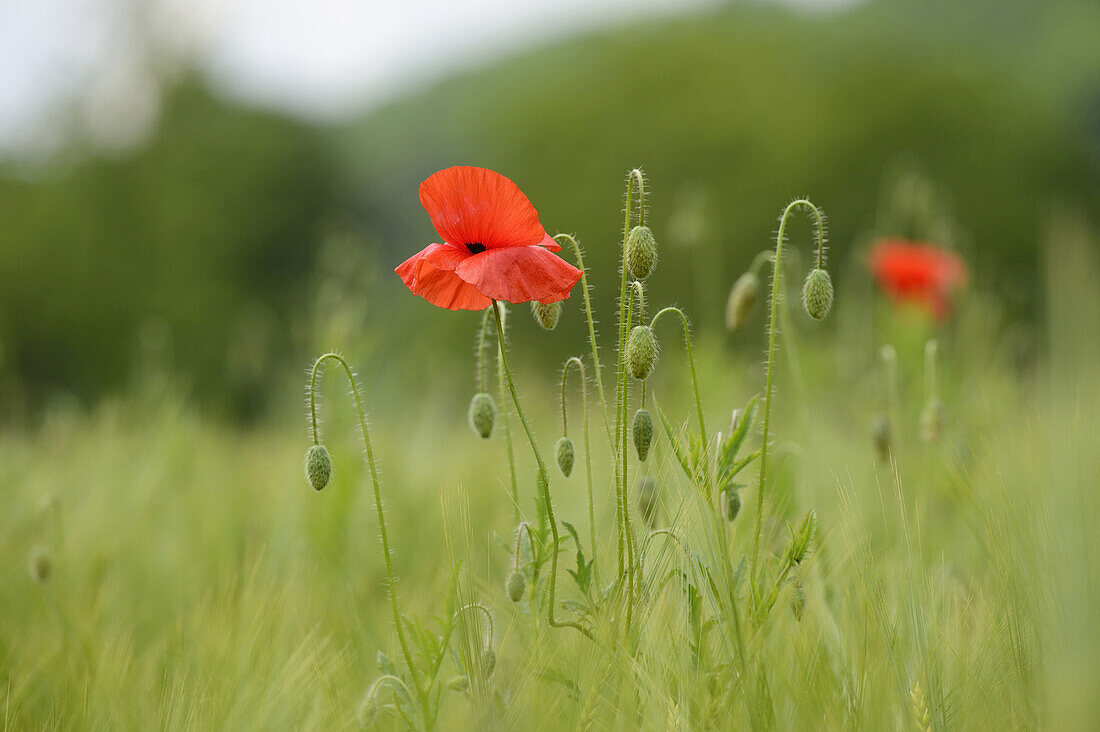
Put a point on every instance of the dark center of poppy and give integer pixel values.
(475, 247)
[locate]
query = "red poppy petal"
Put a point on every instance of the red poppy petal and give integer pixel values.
(550, 243)
(446, 257)
(441, 287)
(470, 205)
(520, 274)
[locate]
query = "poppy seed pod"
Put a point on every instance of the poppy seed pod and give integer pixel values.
(647, 500)
(641, 352)
(641, 252)
(817, 294)
(488, 661)
(515, 585)
(730, 503)
(565, 454)
(482, 413)
(40, 564)
(643, 433)
(546, 314)
(318, 467)
(741, 301)
(931, 420)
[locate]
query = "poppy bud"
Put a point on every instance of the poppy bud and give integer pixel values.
(546, 314)
(817, 294)
(565, 454)
(882, 436)
(641, 252)
(482, 413)
(368, 711)
(798, 601)
(643, 433)
(515, 585)
(730, 503)
(40, 564)
(641, 352)
(458, 683)
(931, 420)
(488, 661)
(741, 300)
(318, 467)
(647, 500)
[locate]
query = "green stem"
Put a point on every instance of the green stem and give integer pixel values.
(482, 378)
(544, 480)
(777, 274)
(489, 631)
(587, 451)
(507, 425)
(390, 579)
(694, 386)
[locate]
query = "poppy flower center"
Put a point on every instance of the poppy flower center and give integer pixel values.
(475, 247)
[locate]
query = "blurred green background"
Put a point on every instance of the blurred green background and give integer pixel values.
(233, 243)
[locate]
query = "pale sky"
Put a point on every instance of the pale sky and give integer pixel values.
(78, 64)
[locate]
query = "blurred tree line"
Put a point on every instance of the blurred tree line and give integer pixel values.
(212, 227)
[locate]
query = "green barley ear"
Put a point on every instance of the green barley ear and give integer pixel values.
(741, 300)
(882, 436)
(565, 454)
(641, 252)
(798, 601)
(730, 503)
(817, 294)
(318, 467)
(647, 500)
(802, 538)
(641, 352)
(643, 433)
(458, 683)
(488, 661)
(546, 315)
(482, 413)
(40, 564)
(515, 585)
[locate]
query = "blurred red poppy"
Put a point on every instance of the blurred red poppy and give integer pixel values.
(494, 247)
(918, 272)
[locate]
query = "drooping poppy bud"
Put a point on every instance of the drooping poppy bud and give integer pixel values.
(318, 467)
(488, 661)
(641, 352)
(643, 433)
(515, 585)
(546, 315)
(647, 500)
(817, 294)
(368, 712)
(730, 503)
(931, 420)
(40, 564)
(460, 682)
(482, 414)
(741, 300)
(565, 454)
(641, 252)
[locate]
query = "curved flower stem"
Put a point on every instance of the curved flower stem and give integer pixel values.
(777, 274)
(544, 476)
(489, 630)
(390, 580)
(574, 361)
(694, 386)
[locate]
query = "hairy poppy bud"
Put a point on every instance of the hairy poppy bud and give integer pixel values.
(565, 454)
(931, 420)
(458, 683)
(647, 500)
(882, 436)
(318, 467)
(730, 503)
(482, 413)
(488, 661)
(368, 711)
(641, 252)
(40, 564)
(546, 315)
(515, 585)
(741, 300)
(798, 601)
(641, 352)
(643, 433)
(817, 294)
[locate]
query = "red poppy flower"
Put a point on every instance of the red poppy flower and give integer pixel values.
(918, 272)
(494, 247)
